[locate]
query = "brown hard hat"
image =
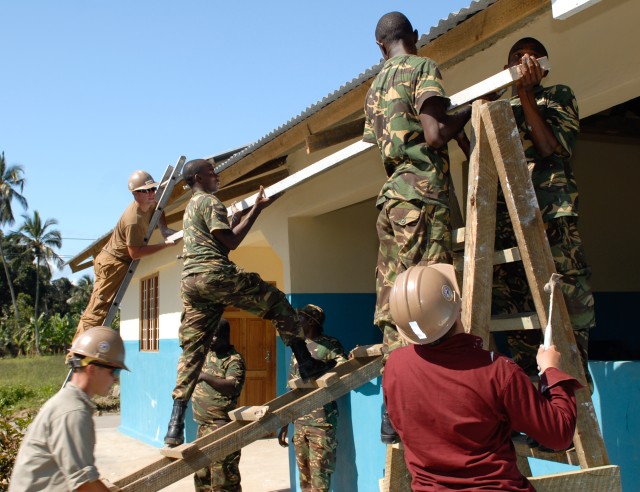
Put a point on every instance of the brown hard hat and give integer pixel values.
(425, 302)
(141, 180)
(313, 312)
(101, 344)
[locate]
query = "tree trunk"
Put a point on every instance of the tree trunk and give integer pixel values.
(6, 272)
(35, 310)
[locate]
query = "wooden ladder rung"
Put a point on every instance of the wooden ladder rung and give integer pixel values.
(366, 351)
(594, 479)
(515, 322)
(179, 452)
(323, 381)
(248, 413)
(568, 457)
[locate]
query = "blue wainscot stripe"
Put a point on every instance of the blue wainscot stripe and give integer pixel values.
(145, 393)
(361, 455)
(616, 399)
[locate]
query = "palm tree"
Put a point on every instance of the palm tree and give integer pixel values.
(81, 292)
(11, 186)
(38, 237)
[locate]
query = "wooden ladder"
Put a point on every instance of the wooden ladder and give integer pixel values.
(249, 424)
(497, 156)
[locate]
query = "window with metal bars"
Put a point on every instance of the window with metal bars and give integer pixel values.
(149, 314)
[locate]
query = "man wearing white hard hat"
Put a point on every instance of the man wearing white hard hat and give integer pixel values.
(57, 451)
(455, 404)
(125, 245)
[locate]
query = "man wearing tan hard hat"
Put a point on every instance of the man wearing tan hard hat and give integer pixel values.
(454, 404)
(125, 245)
(57, 452)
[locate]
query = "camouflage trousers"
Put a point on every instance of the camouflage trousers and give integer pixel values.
(222, 475)
(109, 273)
(511, 292)
(204, 298)
(410, 233)
(316, 455)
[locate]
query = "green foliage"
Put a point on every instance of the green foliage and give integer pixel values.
(27, 382)
(12, 431)
(10, 395)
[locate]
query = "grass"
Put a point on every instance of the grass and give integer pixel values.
(27, 382)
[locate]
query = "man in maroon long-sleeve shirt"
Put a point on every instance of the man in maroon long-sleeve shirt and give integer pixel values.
(455, 404)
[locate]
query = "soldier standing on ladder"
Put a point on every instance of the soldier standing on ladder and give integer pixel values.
(406, 116)
(125, 245)
(547, 119)
(211, 281)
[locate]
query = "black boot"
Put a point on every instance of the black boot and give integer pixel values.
(388, 434)
(309, 367)
(175, 434)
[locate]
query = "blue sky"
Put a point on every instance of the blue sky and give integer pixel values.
(93, 90)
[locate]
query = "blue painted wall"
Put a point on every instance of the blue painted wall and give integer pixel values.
(616, 399)
(145, 408)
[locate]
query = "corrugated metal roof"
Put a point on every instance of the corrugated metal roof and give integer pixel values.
(441, 28)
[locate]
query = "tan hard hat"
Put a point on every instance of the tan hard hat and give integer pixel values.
(141, 180)
(425, 302)
(101, 344)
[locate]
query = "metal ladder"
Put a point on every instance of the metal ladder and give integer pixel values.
(169, 180)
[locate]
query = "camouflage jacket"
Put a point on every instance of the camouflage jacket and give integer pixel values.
(202, 251)
(209, 404)
(392, 121)
(552, 177)
(322, 348)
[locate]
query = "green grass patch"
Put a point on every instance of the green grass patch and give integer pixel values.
(27, 382)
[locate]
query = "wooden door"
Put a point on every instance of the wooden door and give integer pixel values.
(255, 339)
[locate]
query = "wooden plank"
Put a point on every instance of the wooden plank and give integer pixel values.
(235, 190)
(479, 232)
(482, 30)
(511, 322)
(563, 9)
(568, 457)
(335, 135)
(366, 350)
(235, 435)
(299, 177)
(322, 382)
(538, 262)
(109, 485)
(597, 479)
(180, 452)
(494, 83)
(396, 476)
(249, 413)
(502, 256)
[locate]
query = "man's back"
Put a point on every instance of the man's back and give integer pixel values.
(392, 110)
(457, 433)
(130, 230)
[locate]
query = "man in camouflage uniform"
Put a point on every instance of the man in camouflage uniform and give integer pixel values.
(314, 436)
(548, 123)
(216, 394)
(211, 281)
(405, 115)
